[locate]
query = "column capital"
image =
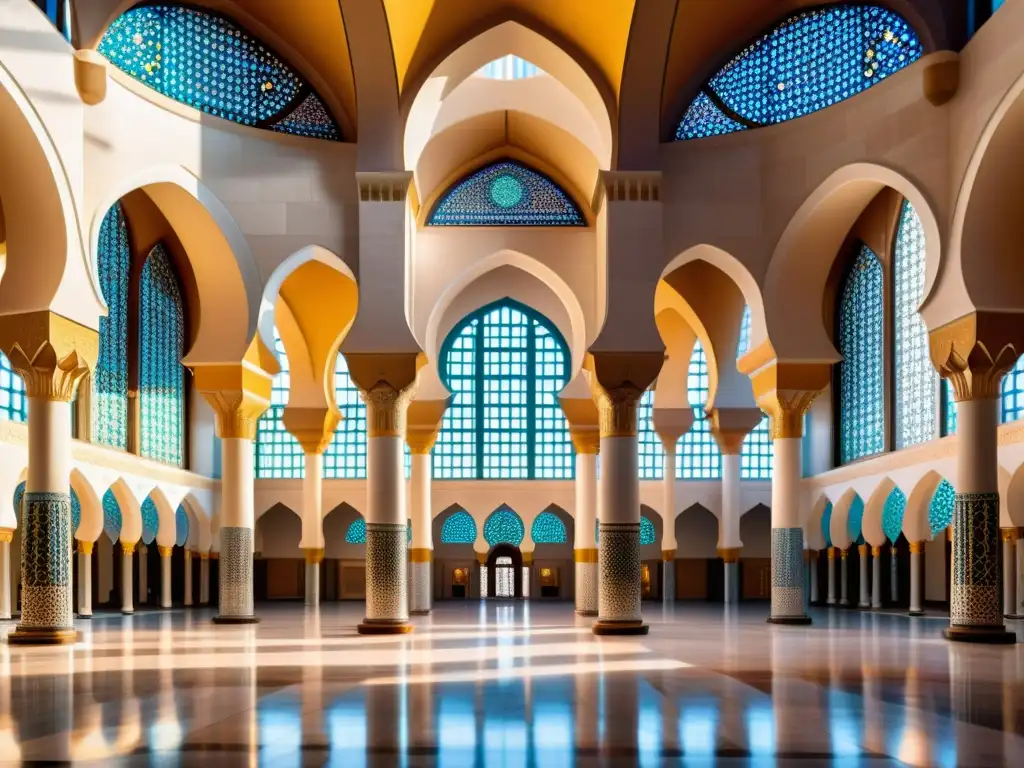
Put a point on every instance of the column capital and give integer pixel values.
(127, 549)
(165, 551)
(843, 553)
(619, 380)
(670, 424)
(314, 556)
(876, 551)
(6, 535)
(785, 390)
(481, 557)
(730, 554)
(582, 415)
(51, 353)
(421, 555)
(239, 393)
(973, 352)
(862, 549)
(85, 547)
(668, 555)
(730, 427)
(423, 423)
(387, 383)
(204, 555)
(831, 553)
(916, 547)
(313, 428)
(1009, 534)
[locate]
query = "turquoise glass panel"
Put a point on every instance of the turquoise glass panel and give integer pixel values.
(940, 511)
(345, 457)
(180, 527)
(109, 387)
(826, 524)
(356, 533)
(150, 521)
(459, 528)
(548, 528)
(277, 453)
(504, 527)
(647, 532)
(111, 516)
(13, 405)
(892, 514)
(697, 454)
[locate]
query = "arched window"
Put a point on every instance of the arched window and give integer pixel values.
(913, 372)
(1013, 393)
(208, 62)
(356, 533)
(505, 365)
(548, 528)
(940, 511)
(647, 533)
(277, 453)
(161, 348)
(111, 516)
(180, 527)
(756, 457)
(862, 371)
(892, 514)
(504, 526)
(506, 194)
(650, 451)
(810, 61)
(509, 68)
(459, 528)
(345, 457)
(13, 405)
(949, 416)
(109, 388)
(150, 521)
(698, 457)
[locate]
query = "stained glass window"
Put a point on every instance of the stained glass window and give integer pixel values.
(647, 532)
(862, 371)
(756, 457)
(459, 528)
(855, 520)
(150, 521)
(808, 62)
(509, 68)
(505, 194)
(1013, 393)
(356, 533)
(744, 343)
(109, 393)
(949, 416)
(650, 451)
(180, 527)
(940, 511)
(277, 453)
(345, 457)
(914, 374)
(698, 457)
(548, 528)
(161, 348)
(504, 527)
(892, 514)
(826, 524)
(13, 406)
(505, 365)
(111, 516)
(207, 62)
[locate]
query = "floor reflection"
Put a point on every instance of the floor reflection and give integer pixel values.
(511, 685)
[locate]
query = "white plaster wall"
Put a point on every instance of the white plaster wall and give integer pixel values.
(696, 534)
(280, 531)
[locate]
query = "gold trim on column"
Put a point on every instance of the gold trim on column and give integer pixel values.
(876, 551)
(481, 557)
(314, 556)
(527, 558)
(843, 554)
(238, 393)
(51, 353)
(916, 547)
(1008, 534)
(127, 549)
(831, 553)
(618, 381)
(215, 555)
(581, 414)
(974, 352)
(667, 555)
(585, 555)
(786, 390)
(423, 424)
(730, 554)
(421, 555)
(6, 535)
(387, 384)
(165, 551)
(862, 549)
(313, 428)
(204, 555)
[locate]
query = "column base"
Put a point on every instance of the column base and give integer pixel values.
(830, 601)
(915, 613)
(876, 607)
(790, 620)
(42, 636)
(1013, 616)
(991, 635)
(377, 627)
(424, 612)
(83, 616)
(606, 627)
(236, 620)
(127, 613)
(586, 612)
(844, 603)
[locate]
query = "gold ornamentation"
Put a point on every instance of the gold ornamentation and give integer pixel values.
(618, 381)
(1009, 534)
(127, 549)
(786, 390)
(843, 553)
(237, 412)
(215, 555)
(204, 555)
(585, 555)
(421, 555)
(387, 384)
(893, 550)
(527, 558)
(862, 549)
(386, 409)
(481, 557)
(50, 352)
(876, 551)
(165, 551)
(585, 440)
(617, 411)
(6, 535)
(313, 428)
(916, 547)
(668, 555)
(85, 547)
(314, 556)
(831, 553)
(582, 416)
(975, 351)
(730, 554)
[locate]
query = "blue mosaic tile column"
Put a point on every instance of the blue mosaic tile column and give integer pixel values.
(788, 583)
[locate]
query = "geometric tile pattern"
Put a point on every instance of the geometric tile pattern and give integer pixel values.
(419, 595)
(386, 583)
(236, 572)
(586, 588)
(504, 526)
(46, 561)
(619, 581)
(109, 384)
(975, 595)
(787, 572)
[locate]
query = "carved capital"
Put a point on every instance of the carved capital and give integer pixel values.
(843, 553)
(239, 393)
(730, 554)
(1009, 534)
(831, 553)
(423, 423)
(916, 547)
(387, 384)
(314, 556)
(786, 390)
(6, 535)
(975, 351)
(730, 427)
(876, 551)
(618, 381)
(85, 547)
(582, 415)
(313, 428)
(51, 353)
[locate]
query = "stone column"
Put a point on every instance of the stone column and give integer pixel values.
(85, 579)
(51, 354)
(916, 578)
(844, 581)
(581, 413)
(313, 559)
(831, 576)
(620, 379)
(1009, 536)
(204, 578)
(238, 394)
(894, 575)
(524, 577)
(188, 578)
(963, 351)
(422, 428)
(387, 384)
(127, 578)
(6, 537)
(143, 573)
(731, 566)
(876, 577)
(165, 576)
(812, 565)
(865, 577)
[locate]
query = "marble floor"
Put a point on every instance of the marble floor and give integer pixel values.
(526, 684)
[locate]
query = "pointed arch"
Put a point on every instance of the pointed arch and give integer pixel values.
(109, 382)
(504, 526)
(458, 528)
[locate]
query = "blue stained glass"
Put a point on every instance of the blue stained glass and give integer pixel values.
(949, 422)
(459, 528)
(277, 454)
(504, 527)
(647, 532)
(743, 346)
(109, 392)
(810, 61)
(76, 506)
(862, 371)
(892, 514)
(161, 348)
(207, 62)
(505, 365)
(826, 524)
(1013, 393)
(345, 457)
(757, 457)
(150, 521)
(650, 450)
(697, 456)
(548, 528)
(940, 511)
(356, 533)
(914, 374)
(855, 520)
(505, 194)
(13, 405)
(111, 517)
(509, 68)
(180, 527)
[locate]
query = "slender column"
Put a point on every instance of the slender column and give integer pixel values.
(188, 578)
(127, 578)
(6, 537)
(1009, 536)
(619, 381)
(844, 581)
(313, 559)
(52, 354)
(143, 573)
(424, 424)
(585, 544)
(813, 566)
(165, 576)
(525, 575)
(387, 384)
(85, 579)
(204, 578)
(831, 576)
(916, 580)
(865, 577)
(668, 528)
(876, 577)
(731, 568)
(894, 575)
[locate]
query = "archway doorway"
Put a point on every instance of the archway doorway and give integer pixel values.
(505, 572)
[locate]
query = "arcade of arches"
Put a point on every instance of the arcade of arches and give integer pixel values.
(609, 311)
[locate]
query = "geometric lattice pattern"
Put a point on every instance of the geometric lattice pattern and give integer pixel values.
(505, 194)
(509, 67)
(345, 456)
(1013, 393)
(111, 516)
(808, 62)
(277, 453)
(209, 63)
(505, 365)
(13, 405)
(459, 528)
(109, 388)
(949, 405)
(548, 528)
(892, 514)
(940, 511)
(861, 333)
(647, 533)
(356, 533)
(650, 451)
(161, 348)
(698, 456)
(180, 527)
(913, 372)
(756, 456)
(855, 520)
(150, 521)
(504, 526)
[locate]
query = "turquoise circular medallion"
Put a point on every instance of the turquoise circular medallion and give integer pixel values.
(506, 191)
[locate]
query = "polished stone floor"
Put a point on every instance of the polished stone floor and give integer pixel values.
(492, 684)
